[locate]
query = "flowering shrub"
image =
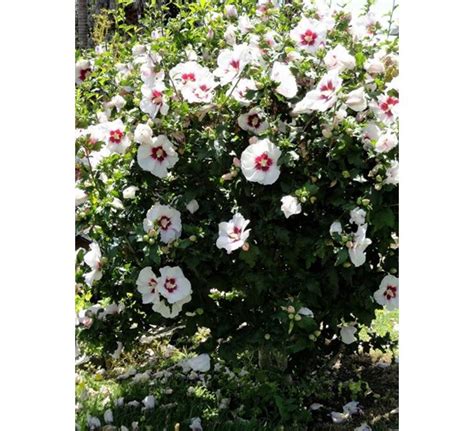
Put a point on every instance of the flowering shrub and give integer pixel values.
(237, 170)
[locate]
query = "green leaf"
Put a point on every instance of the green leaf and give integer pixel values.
(360, 59)
(250, 257)
(342, 256)
(383, 218)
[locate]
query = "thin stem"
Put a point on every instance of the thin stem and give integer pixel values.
(233, 88)
(391, 18)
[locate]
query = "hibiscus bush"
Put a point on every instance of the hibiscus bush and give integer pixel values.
(236, 170)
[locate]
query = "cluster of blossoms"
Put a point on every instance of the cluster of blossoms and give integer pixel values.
(320, 87)
(168, 292)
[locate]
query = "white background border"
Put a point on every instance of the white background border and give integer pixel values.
(37, 220)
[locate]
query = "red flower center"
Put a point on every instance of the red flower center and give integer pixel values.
(188, 77)
(253, 121)
(158, 153)
(156, 97)
(308, 37)
(152, 282)
(263, 162)
(390, 292)
(164, 222)
(170, 285)
(329, 86)
(386, 106)
(235, 64)
(235, 234)
(83, 73)
(116, 136)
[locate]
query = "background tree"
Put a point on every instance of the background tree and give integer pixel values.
(82, 27)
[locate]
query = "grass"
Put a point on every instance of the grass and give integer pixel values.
(245, 397)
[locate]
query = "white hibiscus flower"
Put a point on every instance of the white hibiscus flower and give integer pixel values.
(339, 59)
(392, 173)
(356, 100)
(231, 62)
(371, 132)
(359, 244)
(230, 11)
(170, 311)
(290, 206)
(239, 93)
(147, 285)
(164, 219)
(195, 82)
(357, 216)
(202, 91)
(154, 100)
(157, 156)
(253, 121)
(143, 134)
(83, 69)
(259, 162)
(386, 142)
(386, 108)
(115, 137)
(263, 6)
(309, 35)
(323, 97)
(282, 74)
(93, 260)
(232, 235)
(173, 285)
(117, 102)
(388, 292)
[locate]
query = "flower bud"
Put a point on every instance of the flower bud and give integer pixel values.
(346, 174)
(227, 177)
(327, 133)
(151, 241)
(192, 206)
(312, 337)
(291, 309)
(313, 199)
(346, 265)
(297, 317)
(129, 192)
(152, 233)
(378, 186)
(291, 316)
(193, 238)
(246, 246)
(349, 244)
(236, 162)
(365, 202)
(267, 336)
(230, 11)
